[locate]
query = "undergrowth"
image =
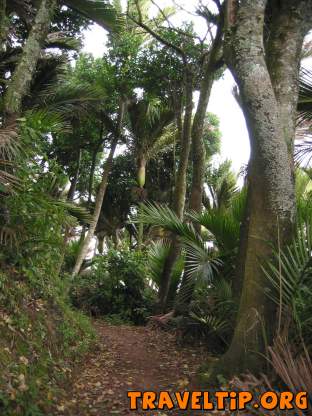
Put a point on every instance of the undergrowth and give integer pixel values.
(41, 338)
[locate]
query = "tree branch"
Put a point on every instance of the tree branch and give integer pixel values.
(158, 37)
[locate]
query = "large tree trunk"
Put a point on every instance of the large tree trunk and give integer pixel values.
(100, 195)
(271, 195)
(180, 185)
(24, 72)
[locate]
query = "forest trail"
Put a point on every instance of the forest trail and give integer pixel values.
(129, 358)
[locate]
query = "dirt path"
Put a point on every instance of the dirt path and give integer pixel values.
(129, 358)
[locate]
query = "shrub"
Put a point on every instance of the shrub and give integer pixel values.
(116, 284)
(210, 317)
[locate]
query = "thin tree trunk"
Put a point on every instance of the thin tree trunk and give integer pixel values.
(180, 188)
(271, 195)
(4, 25)
(91, 176)
(141, 177)
(199, 157)
(93, 163)
(74, 181)
(198, 147)
(100, 195)
(24, 72)
(70, 197)
(199, 153)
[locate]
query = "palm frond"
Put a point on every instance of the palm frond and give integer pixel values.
(226, 192)
(163, 143)
(289, 273)
(10, 149)
(149, 118)
(294, 370)
(223, 292)
(47, 121)
(69, 99)
(162, 216)
(211, 322)
(221, 185)
(99, 11)
(8, 236)
(79, 213)
(303, 149)
(153, 109)
(201, 261)
(305, 96)
(157, 255)
(62, 41)
(224, 230)
(9, 143)
(8, 180)
(224, 224)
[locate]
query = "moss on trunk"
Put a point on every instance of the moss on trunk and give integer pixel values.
(24, 72)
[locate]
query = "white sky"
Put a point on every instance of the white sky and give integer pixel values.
(234, 143)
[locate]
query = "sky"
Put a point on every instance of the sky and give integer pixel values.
(234, 143)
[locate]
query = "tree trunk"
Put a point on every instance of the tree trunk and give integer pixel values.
(74, 181)
(91, 176)
(141, 177)
(100, 195)
(270, 212)
(180, 187)
(212, 64)
(199, 152)
(70, 197)
(24, 72)
(93, 163)
(199, 157)
(4, 25)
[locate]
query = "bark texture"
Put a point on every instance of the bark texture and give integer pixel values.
(269, 107)
(100, 195)
(25, 70)
(4, 25)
